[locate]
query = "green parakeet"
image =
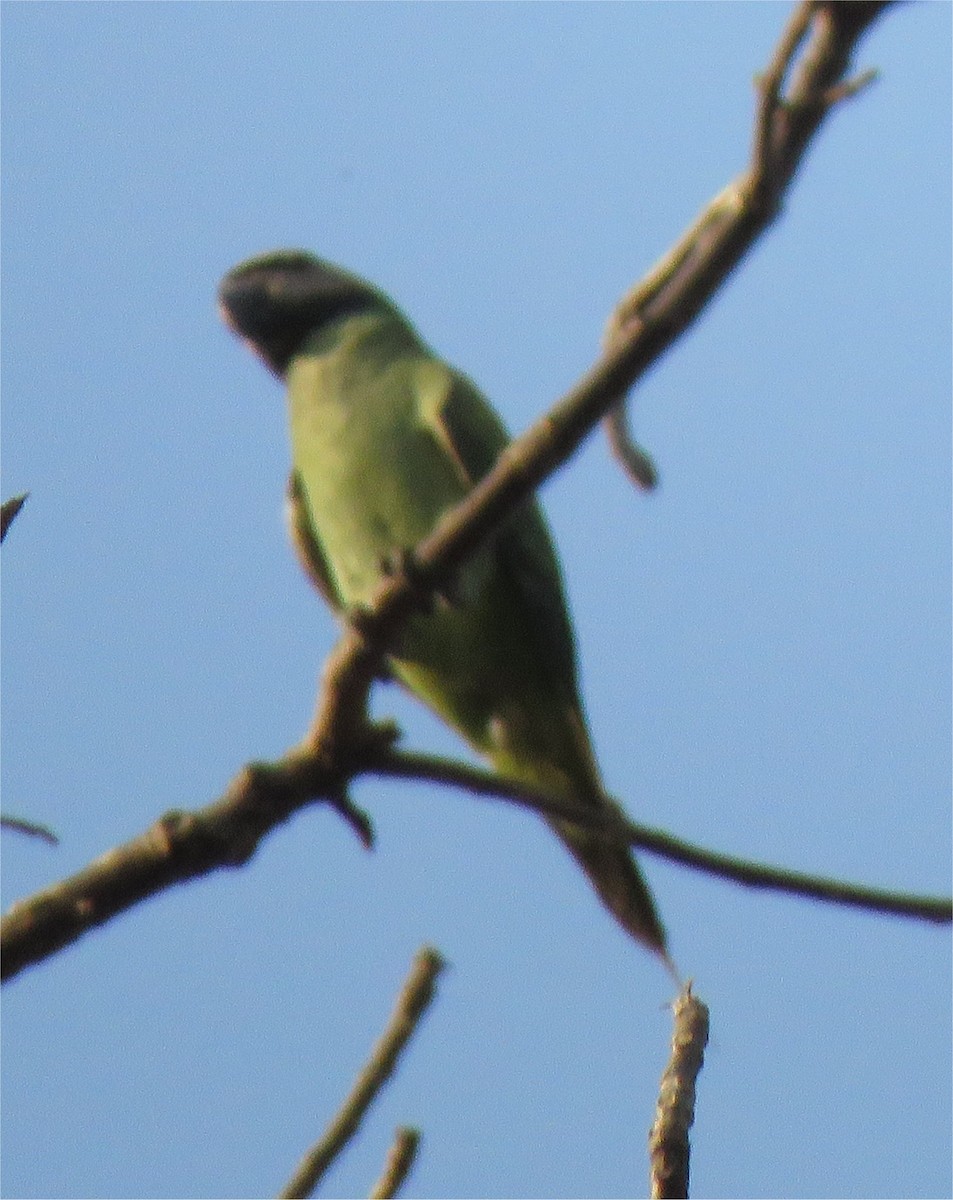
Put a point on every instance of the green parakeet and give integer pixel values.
(385, 438)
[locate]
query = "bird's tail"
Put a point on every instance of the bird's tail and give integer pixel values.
(615, 875)
(567, 766)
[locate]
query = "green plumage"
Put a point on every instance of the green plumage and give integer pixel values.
(385, 438)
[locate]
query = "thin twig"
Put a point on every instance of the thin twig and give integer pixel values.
(32, 828)
(675, 1110)
(634, 459)
(771, 81)
(412, 1002)
(400, 1160)
(937, 910)
(9, 510)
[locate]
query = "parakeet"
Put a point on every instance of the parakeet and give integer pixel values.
(385, 438)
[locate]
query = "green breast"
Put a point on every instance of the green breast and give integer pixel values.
(376, 480)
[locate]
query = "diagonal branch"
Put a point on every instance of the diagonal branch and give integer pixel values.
(413, 1001)
(682, 282)
(180, 846)
(645, 325)
(400, 1160)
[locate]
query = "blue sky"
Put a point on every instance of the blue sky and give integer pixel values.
(764, 643)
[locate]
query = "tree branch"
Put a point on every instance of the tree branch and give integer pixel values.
(226, 833)
(400, 1160)
(675, 1111)
(646, 323)
(405, 765)
(31, 828)
(178, 847)
(414, 999)
(8, 512)
(676, 290)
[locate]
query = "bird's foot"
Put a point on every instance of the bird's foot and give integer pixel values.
(402, 564)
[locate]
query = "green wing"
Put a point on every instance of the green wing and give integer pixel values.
(552, 747)
(471, 432)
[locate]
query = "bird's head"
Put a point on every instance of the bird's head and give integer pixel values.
(274, 301)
